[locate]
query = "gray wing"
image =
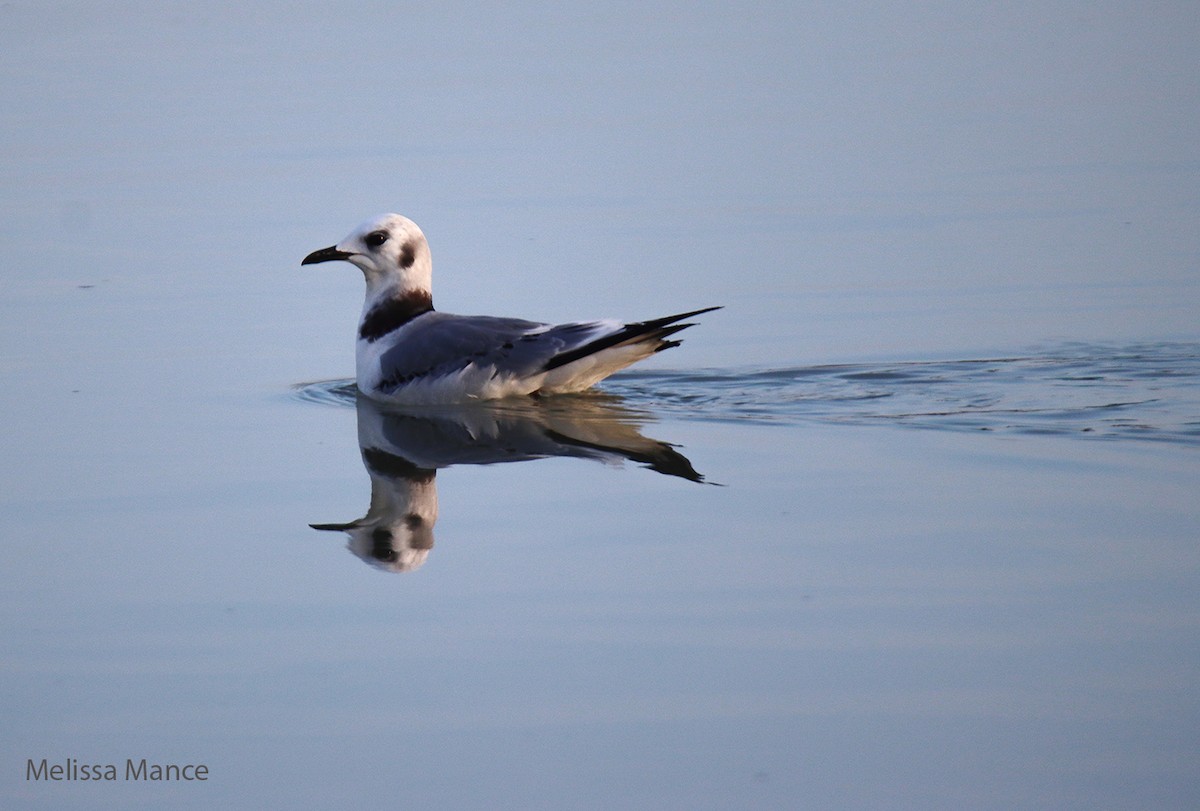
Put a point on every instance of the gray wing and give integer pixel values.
(440, 343)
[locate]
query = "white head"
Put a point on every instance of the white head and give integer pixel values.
(391, 252)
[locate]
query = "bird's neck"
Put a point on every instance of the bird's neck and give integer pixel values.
(388, 309)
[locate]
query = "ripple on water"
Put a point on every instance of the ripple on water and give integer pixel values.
(1144, 391)
(327, 392)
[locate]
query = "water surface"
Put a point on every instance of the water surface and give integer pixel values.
(1141, 391)
(911, 523)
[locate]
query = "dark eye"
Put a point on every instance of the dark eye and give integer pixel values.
(376, 238)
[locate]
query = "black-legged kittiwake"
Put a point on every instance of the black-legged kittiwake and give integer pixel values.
(408, 352)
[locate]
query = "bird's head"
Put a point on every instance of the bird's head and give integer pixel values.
(390, 250)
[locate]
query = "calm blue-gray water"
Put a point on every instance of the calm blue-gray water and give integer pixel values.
(911, 523)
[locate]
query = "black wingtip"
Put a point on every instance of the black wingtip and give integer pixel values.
(671, 319)
(700, 311)
(636, 331)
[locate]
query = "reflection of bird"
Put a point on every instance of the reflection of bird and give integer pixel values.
(397, 532)
(403, 449)
(407, 352)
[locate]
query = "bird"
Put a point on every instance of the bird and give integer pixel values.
(408, 353)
